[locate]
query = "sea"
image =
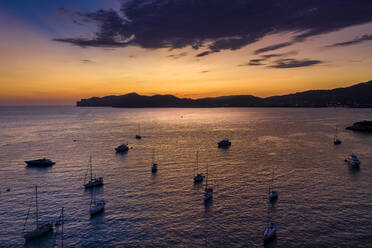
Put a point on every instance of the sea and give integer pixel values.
(322, 202)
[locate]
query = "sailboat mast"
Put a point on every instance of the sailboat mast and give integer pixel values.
(90, 165)
(62, 227)
(139, 129)
(197, 162)
(206, 180)
(37, 208)
(153, 156)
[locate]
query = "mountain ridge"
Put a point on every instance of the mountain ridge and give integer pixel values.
(357, 95)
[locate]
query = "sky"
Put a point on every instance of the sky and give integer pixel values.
(57, 52)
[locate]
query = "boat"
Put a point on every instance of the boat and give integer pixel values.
(138, 135)
(224, 143)
(43, 162)
(270, 232)
(122, 148)
(154, 167)
(42, 229)
(94, 181)
(60, 222)
(198, 177)
(273, 195)
(96, 207)
(336, 140)
(208, 192)
(353, 160)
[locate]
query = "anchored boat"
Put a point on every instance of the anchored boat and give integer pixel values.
(43, 162)
(198, 177)
(41, 229)
(94, 181)
(224, 143)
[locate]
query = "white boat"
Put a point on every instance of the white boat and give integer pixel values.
(208, 192)
(353, 160)
(270, 232)
(122, 148)
(96, 207)
(42, 229)
(224, 143)
(94, 181)
(154, 167)
(198, 177)
(273, 195)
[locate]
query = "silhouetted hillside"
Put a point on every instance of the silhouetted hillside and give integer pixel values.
(359, 95)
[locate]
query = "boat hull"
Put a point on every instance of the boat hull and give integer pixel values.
(198, 178)
(38, 232)
(92, 184)
(39, 163)
(154, 168)
(99, 208)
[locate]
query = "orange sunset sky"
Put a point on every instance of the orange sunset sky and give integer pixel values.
(57, 52)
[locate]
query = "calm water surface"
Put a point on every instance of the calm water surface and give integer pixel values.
(322, 202)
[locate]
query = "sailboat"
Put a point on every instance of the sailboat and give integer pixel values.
(96, 207)
(138, 135)
(41, 229)
(198, 177)
(270, 230)
(336, 140)
(273, 195)
(60, 222)
(93, 182)
(154, 167)
(208, 193)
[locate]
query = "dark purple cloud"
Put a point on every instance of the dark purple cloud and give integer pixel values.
(294, 63)
(254, 62)
(356, 40)
(216, 25)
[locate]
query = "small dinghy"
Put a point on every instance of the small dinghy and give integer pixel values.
(353, 160)
(122, 148)
(224, 143)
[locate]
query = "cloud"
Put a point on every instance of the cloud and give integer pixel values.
(217, 25)
(265, 57)
(204, 71)
(355, 41)
(273, 55)
(294, 63)
(253, 62)
(177, 56)
(86, 61)
(272, 47)
(203, 54)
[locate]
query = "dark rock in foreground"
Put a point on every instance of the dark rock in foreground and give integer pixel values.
(362, 126)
